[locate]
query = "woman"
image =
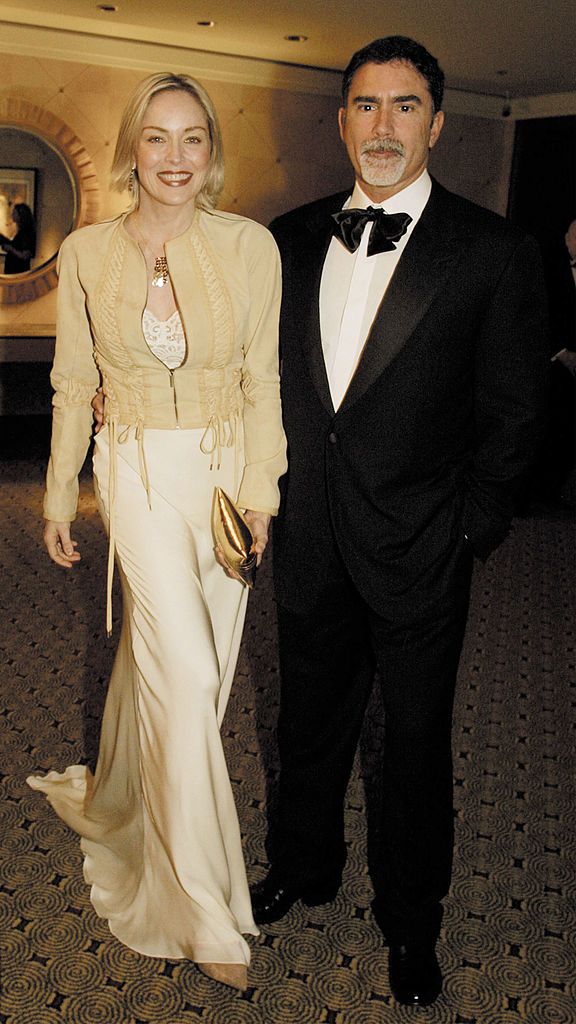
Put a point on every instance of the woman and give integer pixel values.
(22, 247)
(174, 308)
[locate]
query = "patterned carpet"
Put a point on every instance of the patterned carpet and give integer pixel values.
(508, 940)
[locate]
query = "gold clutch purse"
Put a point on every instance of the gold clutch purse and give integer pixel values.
(234, 537)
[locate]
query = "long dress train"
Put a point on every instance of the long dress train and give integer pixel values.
(158, 823)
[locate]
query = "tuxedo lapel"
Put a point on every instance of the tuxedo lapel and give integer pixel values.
(306, 278)
(426, 262)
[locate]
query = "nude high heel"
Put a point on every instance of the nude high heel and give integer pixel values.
(234, 975)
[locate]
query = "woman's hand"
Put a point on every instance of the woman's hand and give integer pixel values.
(259, 523)
(59, 544)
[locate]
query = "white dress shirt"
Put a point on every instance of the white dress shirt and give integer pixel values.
(354, 284)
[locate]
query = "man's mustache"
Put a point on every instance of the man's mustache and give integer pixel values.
(382, 146)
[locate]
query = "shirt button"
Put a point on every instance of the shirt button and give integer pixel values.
(332, 438)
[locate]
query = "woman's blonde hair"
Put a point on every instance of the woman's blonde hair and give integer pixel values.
(123, 176)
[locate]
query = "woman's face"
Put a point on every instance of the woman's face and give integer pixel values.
(173, 151)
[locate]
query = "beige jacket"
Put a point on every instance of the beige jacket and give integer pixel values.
(225, 272)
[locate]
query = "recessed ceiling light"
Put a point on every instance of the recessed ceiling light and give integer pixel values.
(107, 8)
(206, 24)
(296, 39)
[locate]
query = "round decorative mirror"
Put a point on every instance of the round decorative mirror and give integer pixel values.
(48, 187)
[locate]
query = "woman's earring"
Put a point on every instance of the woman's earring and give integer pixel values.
(131, 180)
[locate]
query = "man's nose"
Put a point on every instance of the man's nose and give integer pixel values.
(383, 122)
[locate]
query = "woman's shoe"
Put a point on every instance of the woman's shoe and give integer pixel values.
(234, 975)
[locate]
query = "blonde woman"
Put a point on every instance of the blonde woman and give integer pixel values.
(173, 310)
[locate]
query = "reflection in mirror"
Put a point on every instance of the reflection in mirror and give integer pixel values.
(43, 165)
(33, 174)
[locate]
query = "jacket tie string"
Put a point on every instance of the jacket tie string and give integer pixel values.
(115, 439)
(219, 434)
(112, 469)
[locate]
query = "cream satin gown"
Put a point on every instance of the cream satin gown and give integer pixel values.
(160, 833)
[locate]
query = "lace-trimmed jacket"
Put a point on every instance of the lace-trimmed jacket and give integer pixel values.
(225, 271)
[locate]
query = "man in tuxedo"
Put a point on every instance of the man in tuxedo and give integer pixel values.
(413, 377)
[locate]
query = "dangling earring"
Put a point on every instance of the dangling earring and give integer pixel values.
(131, 179)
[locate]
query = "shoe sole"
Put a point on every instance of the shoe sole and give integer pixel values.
(316, 899)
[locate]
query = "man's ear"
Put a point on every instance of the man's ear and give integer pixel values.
(437, 124)
(342, 121)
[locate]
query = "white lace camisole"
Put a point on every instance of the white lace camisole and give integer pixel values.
(165, 338)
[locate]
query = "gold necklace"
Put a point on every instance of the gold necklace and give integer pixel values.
(160, 277)
(160, 274)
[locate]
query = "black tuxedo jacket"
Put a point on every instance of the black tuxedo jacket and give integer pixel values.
(439, 424)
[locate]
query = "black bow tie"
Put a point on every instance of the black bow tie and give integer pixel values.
(387, 228)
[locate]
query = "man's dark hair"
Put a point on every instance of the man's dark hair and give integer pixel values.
(382, 51)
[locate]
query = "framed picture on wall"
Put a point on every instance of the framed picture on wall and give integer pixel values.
(17, 185)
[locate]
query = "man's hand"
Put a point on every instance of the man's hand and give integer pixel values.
(568, 359)
(98, 407)
(570, 239)
(259, 523)
(59, 544)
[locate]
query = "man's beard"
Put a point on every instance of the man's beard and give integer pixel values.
(376, 171)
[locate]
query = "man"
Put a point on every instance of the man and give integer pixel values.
(553, 480)
(567, 356)
(570, 240)
(412, 387)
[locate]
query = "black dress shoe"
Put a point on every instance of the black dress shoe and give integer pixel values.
(414, 973)
(272, 898)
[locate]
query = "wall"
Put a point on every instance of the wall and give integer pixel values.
(281, 146)
(473, 157)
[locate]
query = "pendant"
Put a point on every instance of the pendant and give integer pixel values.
(160, 276)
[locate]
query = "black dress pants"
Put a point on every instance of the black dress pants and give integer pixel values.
(327, 660)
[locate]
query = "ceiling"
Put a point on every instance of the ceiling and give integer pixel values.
(497, 47)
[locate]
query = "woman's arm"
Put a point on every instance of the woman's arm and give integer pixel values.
(264, 440)
(74, 378)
